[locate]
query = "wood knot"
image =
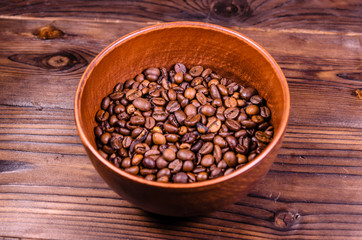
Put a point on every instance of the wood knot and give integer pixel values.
(48, 32)
(59, 61)
(285, 219)
(357, 92)
(231, 8)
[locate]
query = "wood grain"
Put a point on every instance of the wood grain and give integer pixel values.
(326, 15)
(50, 190)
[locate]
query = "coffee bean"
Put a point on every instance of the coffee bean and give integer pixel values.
(213, 125)
(188, 166)
(214, 92)
(218, 140)
(196, 71)
(102, 116)
(207, 160)
(189, 137)
(201, 98)
(191, 121)
(248, 123)
(142, 104)
(216, 172)
(252, 110)
(158, 138)
(190, 93)
(201, 128)
(247, 93)
(230, 102)
(126, 162)
(230, 159)
(179, 67)
(206, 148)
(137, 159)
(132, 170)
(161, 163)
(202, 176)
(190, 110)
(231, 113)
(164, 172)
(208, 110)
(175, 166)
(185, 154)
(180, 177)
(169, 155)
(262, 137)
(233, 125)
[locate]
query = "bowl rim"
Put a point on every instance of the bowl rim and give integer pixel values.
(182, 24)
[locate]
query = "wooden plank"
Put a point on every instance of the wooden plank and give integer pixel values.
(326, 15)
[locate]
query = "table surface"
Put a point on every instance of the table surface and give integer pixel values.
(49, 188)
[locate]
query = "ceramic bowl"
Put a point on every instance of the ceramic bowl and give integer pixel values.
(228, 53)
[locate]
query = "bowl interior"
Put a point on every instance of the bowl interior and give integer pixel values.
(226, 52)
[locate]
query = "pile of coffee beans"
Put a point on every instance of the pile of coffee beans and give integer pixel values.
(182, 125)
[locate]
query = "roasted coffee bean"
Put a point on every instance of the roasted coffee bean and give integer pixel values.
(256, 99)
(161, 163)
(202, 176)
(206, 148)
(105, 138)
(180, 116)
(181, 125)
(233, 125)
(137, 120)
(208, 137)
(192, 120)
(185, 154)
(216, 172)
(172, 138)
(175, 166)
(220, 141)
(247, 93)
(170, 128)
(196, 71)
(230, 159)
(149, 162)
(232, 141)
(252, 110)
(137, 159)
(189, 137)
(179, 67)
(150, 122)
(141, 148)
(214, 92)
(230, 102)
(98, 131)
(201, 98)
(262, 137)
(169, 155)
(158, 139)
(231, 113)
(207, 160)
(180, 177)
(142, 104)
(213, 125)
(201, 128)
(248, 123)
(190, 110)
(208, 110)
(102, 116)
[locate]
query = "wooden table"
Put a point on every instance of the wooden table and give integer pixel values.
(50, 190)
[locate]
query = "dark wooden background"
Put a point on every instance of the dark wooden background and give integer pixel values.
(50, 190)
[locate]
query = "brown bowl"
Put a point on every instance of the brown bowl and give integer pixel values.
(228, 53)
